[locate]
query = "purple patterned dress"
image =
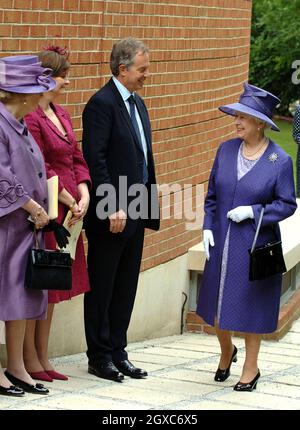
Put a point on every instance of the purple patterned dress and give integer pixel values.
(22, 176)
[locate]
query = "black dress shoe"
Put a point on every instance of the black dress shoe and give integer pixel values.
(11, 391)
(222, 374)
(247, 386)
(126, 367)
(34, 389)
(106, 371)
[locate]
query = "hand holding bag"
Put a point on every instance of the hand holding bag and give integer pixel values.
(48, 270)
(265, 260)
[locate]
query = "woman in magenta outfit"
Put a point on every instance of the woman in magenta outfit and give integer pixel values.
(51, 127)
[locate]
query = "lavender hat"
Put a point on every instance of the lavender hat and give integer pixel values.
(255, 102)
(23, 74)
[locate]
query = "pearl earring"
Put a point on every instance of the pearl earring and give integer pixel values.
(25, 102)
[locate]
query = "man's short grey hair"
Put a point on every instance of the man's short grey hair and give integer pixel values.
(124, 51)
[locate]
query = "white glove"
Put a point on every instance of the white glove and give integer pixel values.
(240, 213)
(208, 240)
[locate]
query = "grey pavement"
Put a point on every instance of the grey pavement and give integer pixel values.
(181, 370)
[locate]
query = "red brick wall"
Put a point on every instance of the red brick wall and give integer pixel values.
(199, 59)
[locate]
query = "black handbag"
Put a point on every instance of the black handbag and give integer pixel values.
(267, 260)
(48, 270)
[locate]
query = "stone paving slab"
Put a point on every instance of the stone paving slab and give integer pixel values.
(278, 389)
(216, 405)
(279, 358)
(178, 352)
(259, 400)
(29, 407)
(266, 367)
(145, 357)
(197, 348)
(199, 377)
(89, 402)
(187, 388)
(292, 338)
(181, 371)
(282, 345)
(288, 380)
(206, 340)
(280, 350)
(151, 396)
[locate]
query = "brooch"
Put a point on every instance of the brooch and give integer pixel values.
(273, 157)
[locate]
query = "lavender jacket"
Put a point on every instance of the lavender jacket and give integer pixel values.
(250, 307)
(22, 176)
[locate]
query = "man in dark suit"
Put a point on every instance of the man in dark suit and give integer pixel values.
(117, 148)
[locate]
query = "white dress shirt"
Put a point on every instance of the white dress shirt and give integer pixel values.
(125, 94)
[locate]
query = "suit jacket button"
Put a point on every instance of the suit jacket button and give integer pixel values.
(45, 201)
(31, 149)
(40, 175)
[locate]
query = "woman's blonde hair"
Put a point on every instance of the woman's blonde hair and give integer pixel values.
(260, 122)
(6, 96)
(263, 124)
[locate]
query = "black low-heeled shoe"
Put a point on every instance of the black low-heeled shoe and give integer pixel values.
(34, 389)
(12, 391)
(247, 386)
(222, 374)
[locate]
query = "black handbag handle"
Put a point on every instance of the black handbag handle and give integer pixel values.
(36, 238)
(257, 230)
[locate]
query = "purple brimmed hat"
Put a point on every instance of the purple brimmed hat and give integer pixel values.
(255, 102)
(24, 74)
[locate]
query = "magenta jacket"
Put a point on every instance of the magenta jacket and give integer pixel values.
(63, 158)
(61, 153)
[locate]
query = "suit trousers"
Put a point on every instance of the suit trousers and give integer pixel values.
(113, 265)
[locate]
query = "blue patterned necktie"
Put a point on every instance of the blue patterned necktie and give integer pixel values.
(138, 135)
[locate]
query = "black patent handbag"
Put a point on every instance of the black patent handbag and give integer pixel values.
(266, 260)
(48, 270)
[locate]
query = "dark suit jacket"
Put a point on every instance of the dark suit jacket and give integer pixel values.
(111, 150)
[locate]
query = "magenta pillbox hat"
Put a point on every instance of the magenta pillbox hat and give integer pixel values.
(24, 74)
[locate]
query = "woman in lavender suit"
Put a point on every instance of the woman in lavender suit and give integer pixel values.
(23, 192)
(249, 172)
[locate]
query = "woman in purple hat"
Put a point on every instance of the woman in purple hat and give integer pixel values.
(249, 172)
(23, 193)
(52, 129)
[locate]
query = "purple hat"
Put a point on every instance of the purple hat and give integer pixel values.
(255, 102)
(23, 74)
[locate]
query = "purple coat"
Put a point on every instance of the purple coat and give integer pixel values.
(250, 307)
(22, 176)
